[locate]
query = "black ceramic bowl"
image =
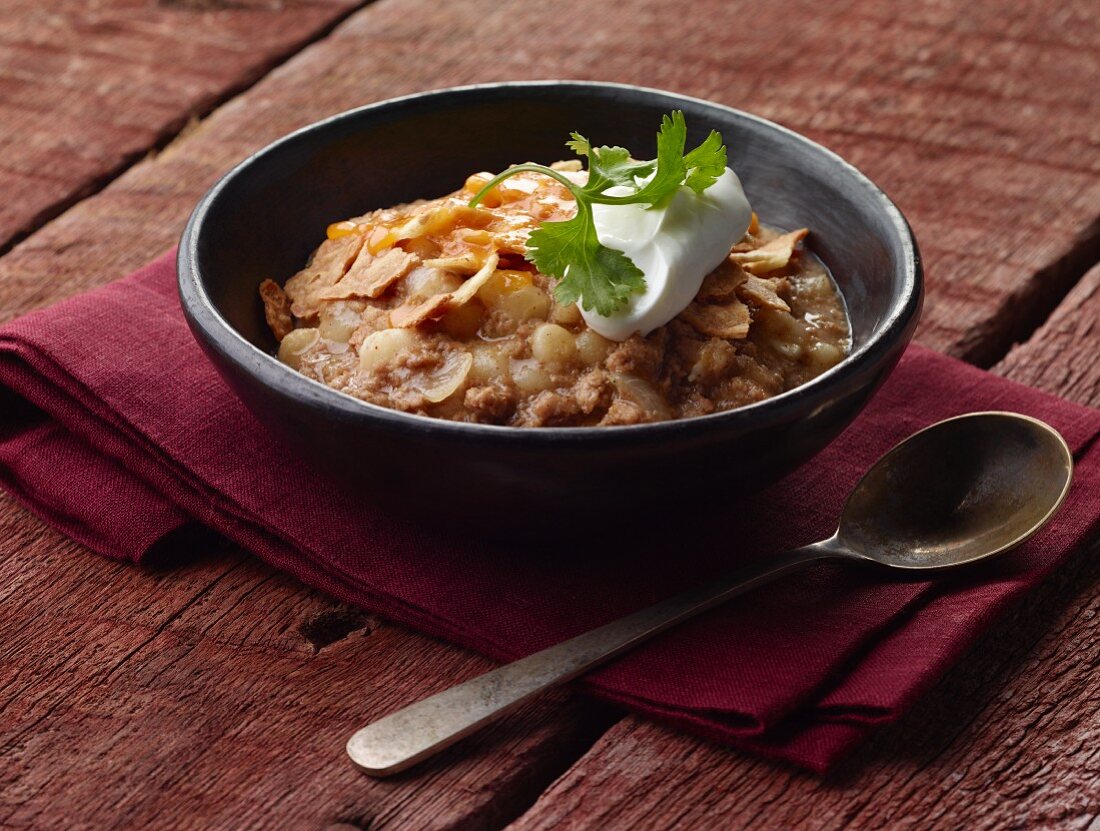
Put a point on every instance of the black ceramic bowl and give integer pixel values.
(266, 215)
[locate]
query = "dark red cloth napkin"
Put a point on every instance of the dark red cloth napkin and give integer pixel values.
(115, 429)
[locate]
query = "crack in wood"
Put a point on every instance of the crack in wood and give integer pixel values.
(1023, 312)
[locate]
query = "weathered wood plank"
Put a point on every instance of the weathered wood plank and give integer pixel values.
(87, 87)
(1058, 358)
(980, 128)
(929, 104)
(1007, 740)
(217, 693)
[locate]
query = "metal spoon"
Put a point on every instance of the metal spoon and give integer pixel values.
(959, 491)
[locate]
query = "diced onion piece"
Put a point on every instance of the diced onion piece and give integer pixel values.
(641, 393)
(297, 342)
(445, 381)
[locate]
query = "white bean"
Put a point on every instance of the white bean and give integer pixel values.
(593, 347)
(525, 303)
(428, 282)
(823, 355)
(552, 344)
(567, 315)
(490, 364)
(530, 377)
(338, 322)
(382, 348)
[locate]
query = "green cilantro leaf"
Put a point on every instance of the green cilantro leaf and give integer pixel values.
(579, 144)
(608, 166)
(705, 163)
(588, 272)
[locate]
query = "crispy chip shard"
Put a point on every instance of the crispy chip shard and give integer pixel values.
(729, 320)
(468, 263)
(722, 282)
(330, 262)
(370, 275)
(441, 219)
(276, 308)
(762, 293)
(770, 256)
(413, 314)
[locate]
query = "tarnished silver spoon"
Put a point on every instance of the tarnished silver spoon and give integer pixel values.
(959, 491)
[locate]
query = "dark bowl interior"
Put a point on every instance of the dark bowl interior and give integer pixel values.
(265, 217)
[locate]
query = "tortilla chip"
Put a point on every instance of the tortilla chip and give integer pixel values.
(413, 314)
(722, 282)
(571, 165)
(442, 219)
(329, 263)
(762, 293)
(730, 320)
(276, 309)
(770, 256)
(370, 275)
(467, 263)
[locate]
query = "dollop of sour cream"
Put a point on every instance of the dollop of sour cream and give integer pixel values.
(675, 247)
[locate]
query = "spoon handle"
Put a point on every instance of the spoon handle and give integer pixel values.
(420, 730)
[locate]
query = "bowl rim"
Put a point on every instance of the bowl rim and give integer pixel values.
(207, 322)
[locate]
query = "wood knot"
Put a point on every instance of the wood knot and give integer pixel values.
(331, 625)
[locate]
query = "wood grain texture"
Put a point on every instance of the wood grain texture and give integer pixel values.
(87, 87)
(1010, 738)
(978, 119)
(1064, 355)
(213, 692)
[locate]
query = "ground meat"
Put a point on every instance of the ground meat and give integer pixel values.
(594, 392)
(623, 412)
(550, 408)
(490, 403)
(639, 356)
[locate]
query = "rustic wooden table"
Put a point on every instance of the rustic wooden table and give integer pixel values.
(218, 693)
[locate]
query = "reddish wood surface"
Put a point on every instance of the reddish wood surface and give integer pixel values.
(980, 128)
(218, 693)
(87, 87)
(977, 117)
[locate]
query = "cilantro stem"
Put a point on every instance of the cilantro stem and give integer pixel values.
(591, 198)
(520, 168)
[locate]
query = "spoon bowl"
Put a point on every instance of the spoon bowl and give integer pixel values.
(961, 490)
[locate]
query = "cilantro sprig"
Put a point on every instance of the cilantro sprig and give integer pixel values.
(587, 271)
